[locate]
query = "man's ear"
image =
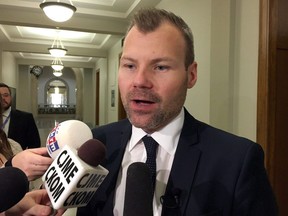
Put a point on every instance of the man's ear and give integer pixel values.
(192, 75)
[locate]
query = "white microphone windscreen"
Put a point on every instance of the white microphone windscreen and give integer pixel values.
(71, 132)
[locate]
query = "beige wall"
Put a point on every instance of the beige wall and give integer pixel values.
(88, 94)
(246, 67)
(9, 69)
(102, 67)
(112, 112)
(23, 92)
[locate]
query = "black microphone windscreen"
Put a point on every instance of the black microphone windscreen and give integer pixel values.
(92, 152)
(138, 194)
(13, 187)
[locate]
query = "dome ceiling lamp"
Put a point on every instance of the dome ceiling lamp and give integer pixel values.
(57, 49)
(58, 11)
(57, 64)
(57, 73)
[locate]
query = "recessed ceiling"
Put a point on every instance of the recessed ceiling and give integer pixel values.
(95, 27)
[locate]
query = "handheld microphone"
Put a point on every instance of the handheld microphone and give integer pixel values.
(13, 187)
(71, 180)
(71, 132)
(138, 194)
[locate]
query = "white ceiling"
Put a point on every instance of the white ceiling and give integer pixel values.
(94, 28)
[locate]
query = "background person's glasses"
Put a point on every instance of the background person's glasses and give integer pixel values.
(5, 95)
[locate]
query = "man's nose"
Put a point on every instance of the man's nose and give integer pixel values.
(143, 78)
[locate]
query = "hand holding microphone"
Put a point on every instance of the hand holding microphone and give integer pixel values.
(33, 162)
(71, 182)
(35, 202)
(73, 177)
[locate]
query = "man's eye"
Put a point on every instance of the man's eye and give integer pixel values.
(5, 95)
(162, 67)
(129, 66)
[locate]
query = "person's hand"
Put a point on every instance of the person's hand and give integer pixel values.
(34, 203)
(33, 162)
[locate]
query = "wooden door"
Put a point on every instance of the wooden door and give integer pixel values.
(272, 110)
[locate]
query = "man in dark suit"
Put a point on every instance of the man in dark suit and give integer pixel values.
(201, 170)
(18, 125)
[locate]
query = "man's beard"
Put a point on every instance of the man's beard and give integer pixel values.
(5, 106)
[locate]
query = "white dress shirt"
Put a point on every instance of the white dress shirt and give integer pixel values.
(167, 138)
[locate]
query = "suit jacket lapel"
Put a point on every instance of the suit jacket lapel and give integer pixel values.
(184, 166)
(181, 175)
(105, 193)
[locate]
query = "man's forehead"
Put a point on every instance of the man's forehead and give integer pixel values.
(4, 89)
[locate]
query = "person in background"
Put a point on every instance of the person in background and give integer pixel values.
(18, 125)
(200, 170)
(8, 147)
(33, 162)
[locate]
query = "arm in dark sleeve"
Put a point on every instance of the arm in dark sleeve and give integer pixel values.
(33, 134)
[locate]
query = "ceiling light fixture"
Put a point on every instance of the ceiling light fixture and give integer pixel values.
(57, 73)
(58, 11)
(57, 49)
(57, 64)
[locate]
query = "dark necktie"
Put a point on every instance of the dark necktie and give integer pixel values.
(151, 147)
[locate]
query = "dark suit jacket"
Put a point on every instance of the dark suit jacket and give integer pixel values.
(22, 129)
(217, 173)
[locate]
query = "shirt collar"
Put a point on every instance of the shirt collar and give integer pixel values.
(7, 112)
(167, 137)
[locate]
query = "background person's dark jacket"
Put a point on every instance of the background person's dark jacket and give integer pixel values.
(23, 129)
